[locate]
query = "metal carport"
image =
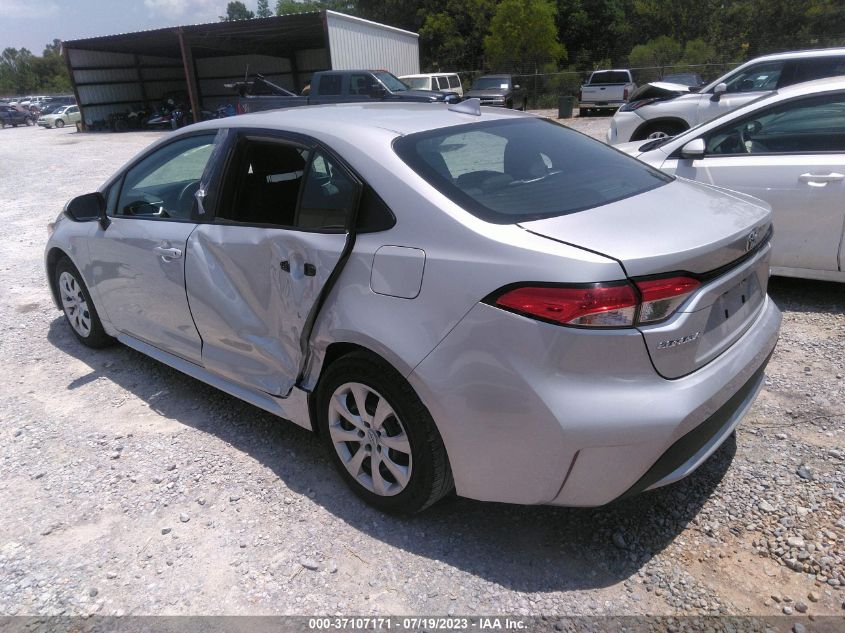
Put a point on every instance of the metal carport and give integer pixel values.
(114, 72)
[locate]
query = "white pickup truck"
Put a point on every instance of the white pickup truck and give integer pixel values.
(606, 90)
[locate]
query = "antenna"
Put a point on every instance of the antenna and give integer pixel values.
(470, 106)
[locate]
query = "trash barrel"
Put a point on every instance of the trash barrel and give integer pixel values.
(565, 106)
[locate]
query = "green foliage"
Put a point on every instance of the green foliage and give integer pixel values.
(285, 7)
(698, 51)
(236, 11)
(523, 36)
(263, 9)
(23, 73)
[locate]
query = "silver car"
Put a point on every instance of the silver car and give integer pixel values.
(659, 109)
(788, 149)
(450, 297)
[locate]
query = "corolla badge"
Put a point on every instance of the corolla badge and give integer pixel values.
(674, 342)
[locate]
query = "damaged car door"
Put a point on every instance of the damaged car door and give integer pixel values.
(256, 273)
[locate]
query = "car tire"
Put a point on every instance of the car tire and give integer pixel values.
(413, 470)
(30, 122)
(78, 307)
(661, 129)
(59, 123)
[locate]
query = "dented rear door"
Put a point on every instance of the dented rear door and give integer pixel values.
(255, 286)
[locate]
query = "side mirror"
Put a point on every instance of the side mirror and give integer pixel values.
(719, 90)
(694, 149)
(88, 208)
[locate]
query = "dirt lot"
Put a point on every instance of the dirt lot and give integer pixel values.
(128, 488)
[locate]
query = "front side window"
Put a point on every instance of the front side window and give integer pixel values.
(417, 83)
(520, 170)
(756, 78)
(809, 125)
(162, 185)
(361, 84)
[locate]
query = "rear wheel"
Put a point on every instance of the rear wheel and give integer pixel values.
(381, 438)
(30, 122)
(78, 308)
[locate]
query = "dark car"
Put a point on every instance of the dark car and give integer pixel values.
(12, 116)
(335, 86)
(497, 90)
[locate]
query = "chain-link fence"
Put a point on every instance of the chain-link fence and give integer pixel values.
(543, 90)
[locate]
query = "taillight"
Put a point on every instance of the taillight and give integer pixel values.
(625, 94)
(596, 305)
(601, 305)
(661, 297)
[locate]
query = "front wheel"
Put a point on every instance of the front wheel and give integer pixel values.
(661, 129)
(78, 308)
(381, 437)
(30, 122)
(59, 123)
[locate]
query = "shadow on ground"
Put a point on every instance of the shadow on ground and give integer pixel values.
(805, 295)
(535, 549)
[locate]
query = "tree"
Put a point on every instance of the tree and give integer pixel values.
(660, 51)
(523, 36)
(263, 10)
(237, 11)
(698, 52)
(285, 7)
(22, 72)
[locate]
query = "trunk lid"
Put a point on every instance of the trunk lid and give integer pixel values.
(719, 237)
(681, 226)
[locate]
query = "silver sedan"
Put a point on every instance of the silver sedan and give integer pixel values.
(788, 149)
(451, 297)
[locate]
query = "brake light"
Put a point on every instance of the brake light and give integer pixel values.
(625, 94)
(601, 305)
(596, 305)
(661, 297)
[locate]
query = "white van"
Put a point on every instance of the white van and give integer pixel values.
(442, 82)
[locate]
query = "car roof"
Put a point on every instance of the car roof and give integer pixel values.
(338, 120)
(818, 52)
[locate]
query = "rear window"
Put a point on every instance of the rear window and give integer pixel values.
(506, 172)
(609, 77)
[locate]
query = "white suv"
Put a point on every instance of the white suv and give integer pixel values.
(440, 82)
(664, 110)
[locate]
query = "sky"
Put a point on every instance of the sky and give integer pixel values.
(34, 23)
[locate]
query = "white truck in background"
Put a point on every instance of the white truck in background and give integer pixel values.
(606, 90)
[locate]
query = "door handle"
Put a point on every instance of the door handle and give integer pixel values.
(285, 265)
(167, 253)
(820, 180)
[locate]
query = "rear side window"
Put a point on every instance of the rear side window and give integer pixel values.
(454, 81)
(818, 68)
(329, 85)
(506, 172)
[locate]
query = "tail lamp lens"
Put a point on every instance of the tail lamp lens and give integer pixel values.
(601, 305)
(661, 297)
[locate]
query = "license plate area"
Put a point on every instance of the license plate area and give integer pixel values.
(743, 296)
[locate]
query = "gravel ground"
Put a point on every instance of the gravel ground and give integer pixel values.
(128, 488)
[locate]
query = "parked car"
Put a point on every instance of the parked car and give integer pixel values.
(10, 115)
(693, 80)
(788, 149)
(498, 91)
(606, 90)
(660, 110)
(443, 294)
(441, 82)
(66, 115)
(335, 86)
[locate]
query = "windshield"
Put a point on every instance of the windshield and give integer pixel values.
(417, 83)
(484, 83)
(392, 83)
(513, 171)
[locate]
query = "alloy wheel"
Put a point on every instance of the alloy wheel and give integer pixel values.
(370, 439)
(74, 304)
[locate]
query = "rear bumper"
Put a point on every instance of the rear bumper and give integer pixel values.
(534, 413)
